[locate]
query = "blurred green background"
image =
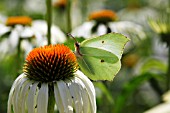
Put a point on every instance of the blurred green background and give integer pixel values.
(145, 74)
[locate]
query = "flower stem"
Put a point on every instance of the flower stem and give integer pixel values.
(51, 100)
(49, 20)
(168, 70)
(69, 24)
(19, 59)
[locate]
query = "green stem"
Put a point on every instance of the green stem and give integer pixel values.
(51, 100)
(69, 24)
(19, 59)
(168, 70)
(49, 20)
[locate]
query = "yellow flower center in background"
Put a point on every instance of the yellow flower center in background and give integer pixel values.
(50, 63)
(130, 60)
(23, 20)
(103, 16)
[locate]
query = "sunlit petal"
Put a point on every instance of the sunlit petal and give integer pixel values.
(31, 98)
(85, 97)
(90, 89)
(65, 97)
(58, 99)
(42, 99)
(23, 97)
(16, 82)
(75, 90)
(17, 94)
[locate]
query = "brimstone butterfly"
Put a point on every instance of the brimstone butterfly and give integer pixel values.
(99, 57)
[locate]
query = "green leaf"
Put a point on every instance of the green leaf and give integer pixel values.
(129, 89)
(153, 65)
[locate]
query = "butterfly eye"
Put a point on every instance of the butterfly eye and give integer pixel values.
(103, 41)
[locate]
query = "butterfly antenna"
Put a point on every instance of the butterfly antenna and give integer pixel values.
(72, 36)
(76, 43)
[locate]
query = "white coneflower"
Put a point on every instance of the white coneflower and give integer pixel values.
(23, 29)
(51, 77)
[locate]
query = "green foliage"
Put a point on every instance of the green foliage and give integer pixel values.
(153, 65)
(129, 88)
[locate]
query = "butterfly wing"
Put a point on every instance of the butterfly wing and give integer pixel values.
(100, 59)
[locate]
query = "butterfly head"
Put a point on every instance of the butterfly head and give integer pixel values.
(76, 45)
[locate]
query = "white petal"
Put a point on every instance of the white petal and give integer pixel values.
(85, 97)
(13, 39)
(57, 35)
(84, 30)
(16, 98)
(65, 97)
(90, 89)
(31, 98)
(101, 30)
(24, 91)
(75, 90)
(58, 99)
(26, 46)
(4, 47)
(16, 82)
(42, 99)
(4, 29)
(27, 32)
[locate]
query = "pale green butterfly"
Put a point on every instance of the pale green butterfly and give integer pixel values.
(99, 57)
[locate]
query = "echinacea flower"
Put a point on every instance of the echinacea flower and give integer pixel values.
(107, 23)
(21, 29)
(52, 71)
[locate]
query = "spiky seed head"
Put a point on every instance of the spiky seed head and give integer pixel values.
(50, 63)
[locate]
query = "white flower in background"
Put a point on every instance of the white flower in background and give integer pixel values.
(52, 72)
(138, 15)
(22, 29)
(104, 21)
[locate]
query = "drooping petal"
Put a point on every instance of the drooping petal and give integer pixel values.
(31, 98)
(58, 99)
(42, 99)
(23, 97)
(65, 97)
(16, 82)
(90, 90)
(13, 39)
(4, 29)
(17, 94)
(85, 97)
(75, 90)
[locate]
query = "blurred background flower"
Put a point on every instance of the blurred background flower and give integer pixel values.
(24, 33)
